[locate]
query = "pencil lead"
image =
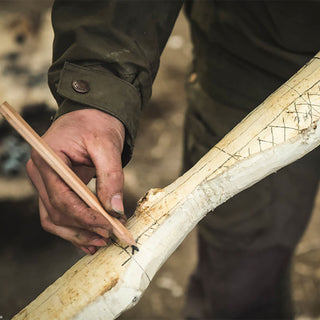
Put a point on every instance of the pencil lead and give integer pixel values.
(134, 248)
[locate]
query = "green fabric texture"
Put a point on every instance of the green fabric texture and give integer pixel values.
(115, 46)
(104, 92)
(243, 50)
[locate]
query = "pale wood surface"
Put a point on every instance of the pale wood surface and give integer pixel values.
(278, 132)
(70, 178)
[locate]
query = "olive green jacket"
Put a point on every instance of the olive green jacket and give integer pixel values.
(115, 47)
(243, 51)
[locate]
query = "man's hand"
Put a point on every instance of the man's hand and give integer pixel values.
(90, 142)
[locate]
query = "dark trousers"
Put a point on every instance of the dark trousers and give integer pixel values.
(246, 245)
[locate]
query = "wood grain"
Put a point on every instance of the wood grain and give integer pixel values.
(282, 129)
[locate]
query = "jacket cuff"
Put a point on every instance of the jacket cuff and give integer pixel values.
(104, 91)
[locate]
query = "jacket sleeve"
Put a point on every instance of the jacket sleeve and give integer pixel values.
(112, 48)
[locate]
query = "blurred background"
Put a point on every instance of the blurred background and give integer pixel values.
(31, 259)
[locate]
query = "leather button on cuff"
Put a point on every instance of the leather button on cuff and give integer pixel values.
(80, 86)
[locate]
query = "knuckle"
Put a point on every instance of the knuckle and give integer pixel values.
(81, 238)
(55, 200)
(61, 201)
(87, 218)
(35, 157)
(105, 232)
(92, 221)
(114, 173)
(56, 219)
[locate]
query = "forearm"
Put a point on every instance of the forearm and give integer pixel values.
(114, 46)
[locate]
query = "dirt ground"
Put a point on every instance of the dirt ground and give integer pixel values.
(31, 259)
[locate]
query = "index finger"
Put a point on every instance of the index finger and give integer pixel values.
(64, 201)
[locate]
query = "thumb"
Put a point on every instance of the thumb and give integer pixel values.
(106, 158)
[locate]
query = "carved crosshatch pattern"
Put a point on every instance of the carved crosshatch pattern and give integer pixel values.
(291, 121)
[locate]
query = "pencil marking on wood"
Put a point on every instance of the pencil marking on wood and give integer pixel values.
(284, 127)
(236, 157)
(272, 135)
(260, 147)
(297, 118)
(126, 261)
(284, 130)
(310, 107)
(279, 131)
(265, 141)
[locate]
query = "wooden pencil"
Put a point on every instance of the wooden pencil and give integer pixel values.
(66, 174)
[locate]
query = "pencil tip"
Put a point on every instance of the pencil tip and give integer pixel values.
(134, 248)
